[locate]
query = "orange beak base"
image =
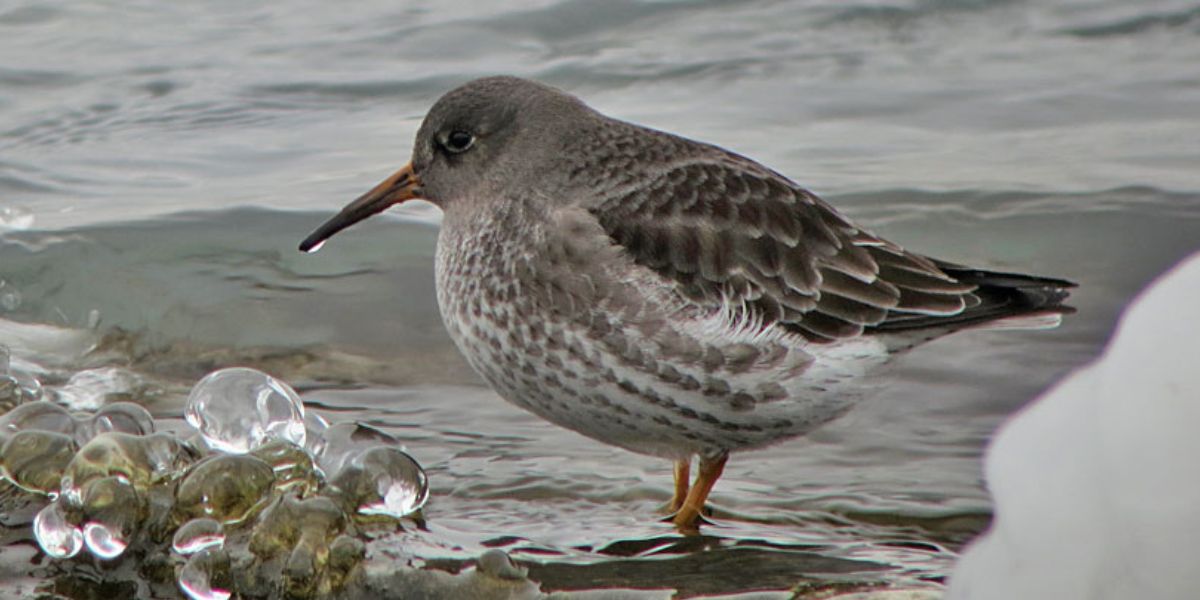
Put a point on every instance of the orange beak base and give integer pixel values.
(401, 186)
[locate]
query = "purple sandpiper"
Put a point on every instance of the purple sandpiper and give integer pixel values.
(661, 294)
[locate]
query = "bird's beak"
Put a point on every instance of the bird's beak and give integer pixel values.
(401, 186)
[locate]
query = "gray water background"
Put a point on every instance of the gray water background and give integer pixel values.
(171, 155)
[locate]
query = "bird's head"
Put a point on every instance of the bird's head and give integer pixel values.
(492, 137)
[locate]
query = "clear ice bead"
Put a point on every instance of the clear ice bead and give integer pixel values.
(341, 441)
(139, 460)
(29, 385)
(40, 415)
(102, 541)
(58, 537)
(10, 393)
(314, 431)
(122, 417)
(111, 508)
(293, 466)
(198, 534)
(383, 481)
(35, 460)
(88, 389)
(239, 409)
(225, 487)
(196, 577)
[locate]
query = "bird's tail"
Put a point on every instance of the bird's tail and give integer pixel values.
(1006, 301)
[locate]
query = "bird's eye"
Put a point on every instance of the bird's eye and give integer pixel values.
(458, 141)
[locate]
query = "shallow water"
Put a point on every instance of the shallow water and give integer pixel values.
(171, 157)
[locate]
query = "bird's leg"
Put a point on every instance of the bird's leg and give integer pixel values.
(710, 469)
(682, 474)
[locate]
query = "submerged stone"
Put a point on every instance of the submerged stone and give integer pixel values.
(239, 409)
(498, 564)
(346, 553)
(226, 487)
(300, 530)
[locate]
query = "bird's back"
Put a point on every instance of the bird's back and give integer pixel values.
(726, 233)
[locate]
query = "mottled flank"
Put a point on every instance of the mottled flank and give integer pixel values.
(657, 293)
(666, 295)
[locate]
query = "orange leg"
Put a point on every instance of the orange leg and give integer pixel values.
(710, 469)
(682, 473)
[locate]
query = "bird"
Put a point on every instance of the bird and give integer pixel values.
(661, 294)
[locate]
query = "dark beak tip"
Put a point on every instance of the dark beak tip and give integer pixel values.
(318, 237)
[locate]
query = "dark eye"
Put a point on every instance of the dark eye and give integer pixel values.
(458, 141)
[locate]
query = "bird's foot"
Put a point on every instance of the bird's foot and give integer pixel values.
(688, 522)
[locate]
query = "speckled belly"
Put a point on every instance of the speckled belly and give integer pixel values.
(617, 387)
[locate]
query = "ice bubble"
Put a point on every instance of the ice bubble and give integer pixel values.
(196, 577)
(239, 409)
(10, 393)
(382, 481)
(165, 454)
(88, 389)
(140, 460)
(198, 534)
(111, 509)
(341, 441)
(40, 415)
(294, 468)
(58, 537)
(122, 417)
(314, 431)
(29, 386)
(225, 487)
(102, 542)
(35, 460)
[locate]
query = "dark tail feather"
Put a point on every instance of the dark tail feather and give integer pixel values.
(1001, 296)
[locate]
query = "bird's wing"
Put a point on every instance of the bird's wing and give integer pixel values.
(730, 233)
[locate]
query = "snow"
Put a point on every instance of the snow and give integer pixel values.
(1097, 483)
